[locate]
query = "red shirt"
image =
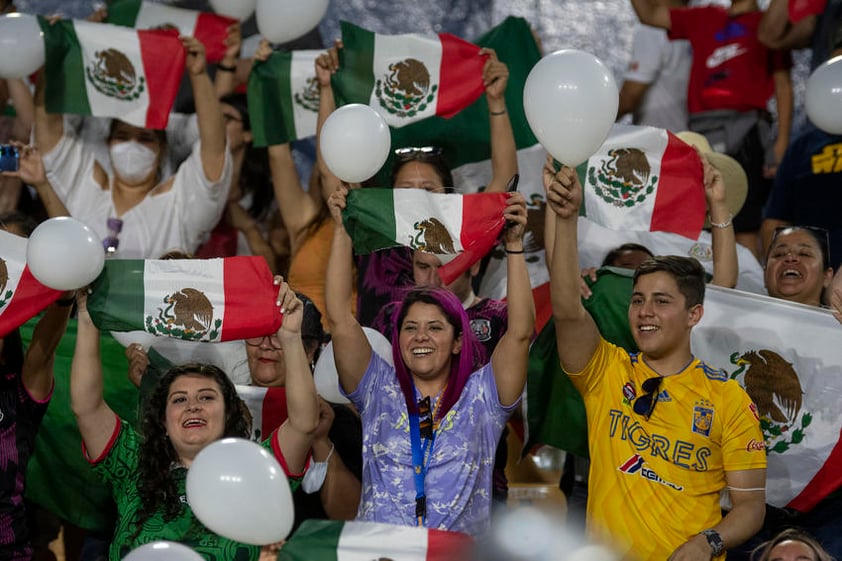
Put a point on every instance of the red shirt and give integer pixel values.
(800, 9)
(731, 68)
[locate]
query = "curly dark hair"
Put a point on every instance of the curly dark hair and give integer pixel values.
(156, 487)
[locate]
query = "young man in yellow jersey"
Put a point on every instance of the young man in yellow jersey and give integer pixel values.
(667, 432)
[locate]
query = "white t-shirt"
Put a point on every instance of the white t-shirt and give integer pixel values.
(665, 65)
(178, 218)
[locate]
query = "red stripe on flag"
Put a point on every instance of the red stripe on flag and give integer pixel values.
(445, 546)
(826, 480)
(274, 410)
(250, 296)
(460, 75)
(211, 30)
(543, 306)
(680, 199)
(30, 297)
(482, 222)
(163, 64)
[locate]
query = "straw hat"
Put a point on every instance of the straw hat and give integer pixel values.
(736, 182)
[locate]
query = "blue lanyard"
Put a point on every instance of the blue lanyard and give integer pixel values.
(421, 456)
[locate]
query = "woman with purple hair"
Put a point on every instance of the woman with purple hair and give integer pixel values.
(432, 422)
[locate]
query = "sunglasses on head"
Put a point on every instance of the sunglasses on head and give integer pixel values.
(645, 404)
(422, 153)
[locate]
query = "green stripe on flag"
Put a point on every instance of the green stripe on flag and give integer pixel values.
(119, 291)
(315, 540)
(64, 69)
(123, 12)
(377, 209)
(270, 101)
(356, 58)
(555, 410)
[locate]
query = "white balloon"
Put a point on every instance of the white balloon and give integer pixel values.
(824, 96)
(325, 375)
(22, 45)
(237, 489)
(162, 551)
(355, 142)
(239, 9)
(570, 99)
(281, 21)
(64, 254)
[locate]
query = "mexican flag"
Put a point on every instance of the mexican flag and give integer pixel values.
(111, 71)
(209, 28)
(643, 178)
(327, 540)
(446, 224)
(408, 78)
(193, 299)
(21, 295)
(283, 97)
(795, 350)
(268, 408)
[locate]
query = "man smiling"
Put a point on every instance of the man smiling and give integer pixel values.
(667, 432)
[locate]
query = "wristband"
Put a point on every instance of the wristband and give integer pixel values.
(225, 68)
(497, 113)
(722, 225)
(514, 251)
(717, 546)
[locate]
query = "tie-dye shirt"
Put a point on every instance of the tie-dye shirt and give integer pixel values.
(458, 482)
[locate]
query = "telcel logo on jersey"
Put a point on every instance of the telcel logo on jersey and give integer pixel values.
(636, 464)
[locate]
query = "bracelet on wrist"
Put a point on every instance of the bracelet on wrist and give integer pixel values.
(226, 68)
(722, 225)
(514, 251)
(497, 113)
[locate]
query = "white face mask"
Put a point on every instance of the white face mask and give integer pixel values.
(316, 474)
(132, 161)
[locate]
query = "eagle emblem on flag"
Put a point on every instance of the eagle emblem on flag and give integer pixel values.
(113, 74)
(773, 385)
(188, 314)
(623, 178)
(406, 89)
(432, 237)
(308, 96)
(4, 279)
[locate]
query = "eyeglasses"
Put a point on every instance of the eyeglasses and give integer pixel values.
(645, 404)
(111, 242)
(821, 235)
(425, 418)
(274, 342)
(421, 153)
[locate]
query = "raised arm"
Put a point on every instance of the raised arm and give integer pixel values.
(576, 334)
(296, 434)
(351, 349)
(512, 352)
(835, 295)
(651, 12)
(225, 79)
(208, 111)
(95, 418)
(777, 32)
(631, 96)
(784, 103)
(725, 265)
(24, 105)
(37, 372)
(326, 66)
(495, 76)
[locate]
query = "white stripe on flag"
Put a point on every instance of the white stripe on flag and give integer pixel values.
(652, 142)
(152, 15)
(161, 282)
(412, 206)
(253, 397)
(97, 37)
(358, 540)
(809, 338)
(14, 256)
(394, 50)
(301, 75)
